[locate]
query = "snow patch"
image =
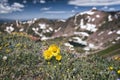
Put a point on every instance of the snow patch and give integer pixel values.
(9, 29)
(89, 19)
(113, 42)
(93, 19)
(82, 24)
(57, 29)
(75, 20)
(110, 32)
(24, 22)
(110, 18)
(118, 38)
(44, 31)
(100, 33)
(91, 45)
(68, 44)
(45, 38)
(47, 30)
(97, 16)
(88, 26)
(22, 29)
(42, 26)
(78, 40)
(81, 33)
(35, 29)
(118, 32)
(17, 23)
(91, 27)
(87, 49)
(87, 12)
(62, 20)
(30, 22)
(82, 13)
(51, 29)
(94, 8)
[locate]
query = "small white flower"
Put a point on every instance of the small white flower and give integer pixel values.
(4, 58)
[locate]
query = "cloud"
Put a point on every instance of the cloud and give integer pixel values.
(55, 12)
(24, 1)
(93, 2)
(45, 8)
(106, 8)
(112, 9)
(17, 5)
(76, 7)
(42, 1)
(39, 1)
(34, 1)
(6, 8)
(73, 11)
(2, 1)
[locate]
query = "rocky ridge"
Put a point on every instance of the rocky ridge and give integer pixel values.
(92, 29)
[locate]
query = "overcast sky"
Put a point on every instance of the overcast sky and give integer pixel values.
(52, 9)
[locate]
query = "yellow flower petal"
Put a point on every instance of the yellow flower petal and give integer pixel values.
(0, 48)
(54, 49)
(18, 45)
(110, 68)
(116, 57)
(47, 55)
(58, 57)
(8, 50)
(118, 71)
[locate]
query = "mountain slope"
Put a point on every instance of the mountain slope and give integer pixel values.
(94, 29)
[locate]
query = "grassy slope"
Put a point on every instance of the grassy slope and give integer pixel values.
(25, 62)
(110, 51)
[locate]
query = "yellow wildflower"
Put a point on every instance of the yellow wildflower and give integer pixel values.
(54, 49)
(58, 57)
(59, 63)
(116, 57)
(110, 68)
(55, 66)
(18, 45)
(0, 47)
(118, 71)
(7, 44)
(48, 62)
(25, 46)
(8, 50)
(47, 55)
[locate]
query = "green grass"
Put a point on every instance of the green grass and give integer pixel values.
(25, 62)
(112, 50)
